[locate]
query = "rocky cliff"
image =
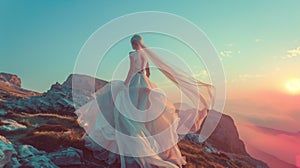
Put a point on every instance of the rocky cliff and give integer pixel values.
(59, 98)
(226, 137)
(42, 131)
(10, 79)
(10, 88)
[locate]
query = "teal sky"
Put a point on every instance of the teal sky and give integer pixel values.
(258, 42)
(40, 40)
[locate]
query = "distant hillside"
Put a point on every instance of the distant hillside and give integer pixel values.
(10, 88)
(272, 161)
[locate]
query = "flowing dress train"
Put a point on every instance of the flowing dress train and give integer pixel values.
(108, 121)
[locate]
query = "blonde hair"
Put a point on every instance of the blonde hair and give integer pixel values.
(136, 38)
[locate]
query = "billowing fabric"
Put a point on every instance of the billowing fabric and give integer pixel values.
(199, 93)
(136, 121)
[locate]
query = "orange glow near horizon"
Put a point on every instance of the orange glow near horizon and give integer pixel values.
(293, 86)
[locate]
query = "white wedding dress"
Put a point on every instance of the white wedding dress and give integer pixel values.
(108, 121)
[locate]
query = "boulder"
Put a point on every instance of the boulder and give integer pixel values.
(6, 151)
(38, 161)
(31, 157)
(10, 79)
(10, 125)
(225, 137)
(67, 157)
(3, 112)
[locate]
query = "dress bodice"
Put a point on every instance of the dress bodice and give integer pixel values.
(139, 79)
(140, 60)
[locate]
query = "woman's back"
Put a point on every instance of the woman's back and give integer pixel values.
(140, 60)
(138, 67)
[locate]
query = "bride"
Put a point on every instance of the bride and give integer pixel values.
(132, 122)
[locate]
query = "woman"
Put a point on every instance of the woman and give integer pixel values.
(135, 120)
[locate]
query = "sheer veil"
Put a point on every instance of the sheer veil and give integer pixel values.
(153, 142)
(199, 93)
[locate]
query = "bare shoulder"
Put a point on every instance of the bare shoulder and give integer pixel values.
(133, 53)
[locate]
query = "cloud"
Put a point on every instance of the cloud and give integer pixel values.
(201, 74)
(257, 40)
(280, 144)
(292, 53)
(230, 44)
(226, 53)
(229, 53)
(247, 110)
(250, 76)
(274, 110)
(245, 77)
(271, 109)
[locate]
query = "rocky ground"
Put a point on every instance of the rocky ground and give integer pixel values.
(41, 130)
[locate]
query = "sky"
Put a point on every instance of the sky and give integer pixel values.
(257, 41)
(41, 40)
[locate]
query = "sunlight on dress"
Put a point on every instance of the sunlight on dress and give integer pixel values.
(137, 144)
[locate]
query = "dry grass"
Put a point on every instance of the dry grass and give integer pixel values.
(32, 120)
(52, 132)
(49, 140)
(49, 127)
(15, 93)
(2, 123)
(197, 158)
(48, 132)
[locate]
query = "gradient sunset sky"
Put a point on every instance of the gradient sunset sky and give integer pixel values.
(257, 41)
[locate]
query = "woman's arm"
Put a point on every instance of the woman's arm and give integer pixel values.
(147, 70)
(147, 66)
(130, 72)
